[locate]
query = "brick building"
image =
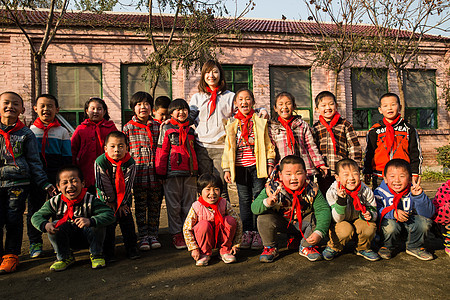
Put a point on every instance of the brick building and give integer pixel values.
(105, 59)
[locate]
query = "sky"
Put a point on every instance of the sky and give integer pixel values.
(267, 9)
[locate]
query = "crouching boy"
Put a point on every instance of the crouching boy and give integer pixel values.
(402, 205)
(294, 206)
(79, 220)
(354, 212)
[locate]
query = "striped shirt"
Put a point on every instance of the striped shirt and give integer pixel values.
(143, 152)
(245, 152)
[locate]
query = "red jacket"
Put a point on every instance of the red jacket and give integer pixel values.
(86, 147)
(173, 160)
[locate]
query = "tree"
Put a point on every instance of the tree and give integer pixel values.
(339, 43)
(401, 27)
(190, 39)
(17, 15)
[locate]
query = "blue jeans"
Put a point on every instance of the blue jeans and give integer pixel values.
(70, 236)
(12, 206)
(417, 227)
(248, 187)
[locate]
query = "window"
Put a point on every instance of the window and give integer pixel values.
(238, 77)
(297, 81)
(73, 85)
(132, 81)
(420, 97)
(368, 85)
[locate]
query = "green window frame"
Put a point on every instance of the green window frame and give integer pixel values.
(132, 81)
(367, 87)
(297, 81)
(73, 85)
(238, 77)
(419, 87)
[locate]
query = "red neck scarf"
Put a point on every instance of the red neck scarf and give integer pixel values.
(183, 132)
(218, 218)
(296, 197)
(245, 124)
(97, 131)
(70, 203)
(119, 181)
(354, 195)
(39, 124)
(390, 133)
(395, 202)
(330, 126)
(356, 201)
(6, 135)
(147, 128)
(212, 100)
(290, 135)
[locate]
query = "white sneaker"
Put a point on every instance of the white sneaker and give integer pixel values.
(202, 261)
(144, 245)
(154, 244)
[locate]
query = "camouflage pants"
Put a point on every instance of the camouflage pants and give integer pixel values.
(147, 204)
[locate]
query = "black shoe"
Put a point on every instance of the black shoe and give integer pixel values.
(133, 253)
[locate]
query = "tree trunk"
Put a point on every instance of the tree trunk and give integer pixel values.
(155, 84)
(401, 93)
(36, 80)
(336, 76)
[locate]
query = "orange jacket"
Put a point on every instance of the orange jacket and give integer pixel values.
(406, 146)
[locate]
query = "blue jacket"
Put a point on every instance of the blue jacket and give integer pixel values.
(28, 163)
(416, 205)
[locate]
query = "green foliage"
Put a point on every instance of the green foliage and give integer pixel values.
(443, 156)
(434, 176)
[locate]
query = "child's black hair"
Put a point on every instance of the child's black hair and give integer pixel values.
(69, 168)
(324, 94)
(161, 102)
(12, 93)
(345, 163)
(292, 160)
(208, 179)
(244, 90)
(178, 104)
(48, 96)
(390, 95)
(398, 163)
(119, 135)
(141, 97)
(287, 95)
(98, 100)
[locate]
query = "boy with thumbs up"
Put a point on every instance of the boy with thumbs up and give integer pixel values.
(292, 205)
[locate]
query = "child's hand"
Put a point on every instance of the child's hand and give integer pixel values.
(367, 216)
(324, 170)
(52, 191)
(367, 178)
(401, 215)
(227, 176)
(263, 114)
(82, 222)
(195, 254)
(123, 210)
(416, 189)
(313, 239)
(234, 249)
(341, 190)
(273, 198)
(50, 228)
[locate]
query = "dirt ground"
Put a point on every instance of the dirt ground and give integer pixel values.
(168, 273)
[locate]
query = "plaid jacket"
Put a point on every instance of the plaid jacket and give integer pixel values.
(305, 147)
(143, 153)
(347, 144)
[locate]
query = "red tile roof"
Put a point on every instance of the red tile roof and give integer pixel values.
(139, 20)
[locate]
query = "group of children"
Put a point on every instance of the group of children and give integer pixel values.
(290, 178)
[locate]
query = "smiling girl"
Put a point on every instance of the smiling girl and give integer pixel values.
(248, 159)
(89, 138)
